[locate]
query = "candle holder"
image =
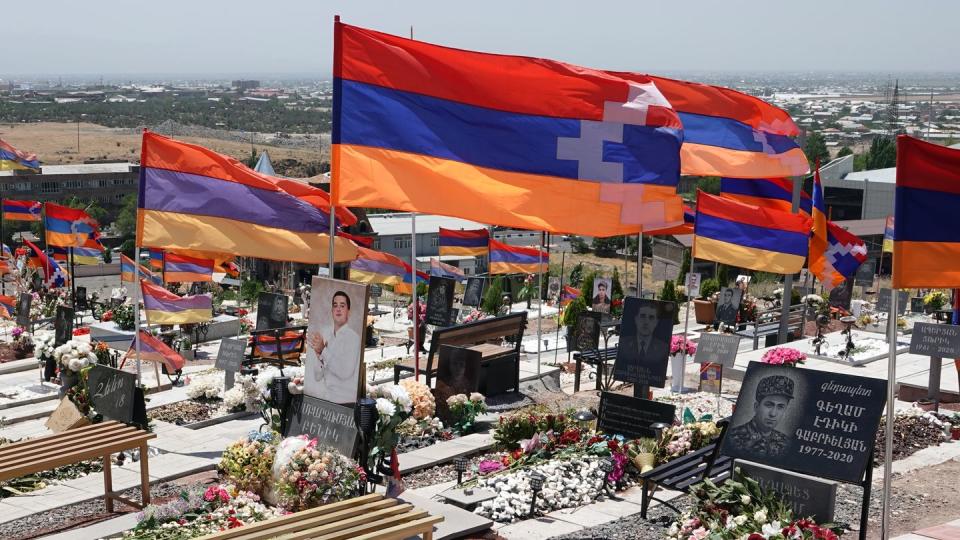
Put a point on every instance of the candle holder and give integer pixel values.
(460, 465)
(536, 484)
(606, 466)
(585, 419)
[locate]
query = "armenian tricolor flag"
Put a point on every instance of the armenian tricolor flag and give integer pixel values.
(507, 259)
(7, 306)
(508, 140)
(442, 269)
(364, 241)
(154, 350)
(81, 255)
(12, 159)
(835, 254)
(453, 242)
(54, 276)
(569, 294)
(179, 268)
(128, 271)
(404, 287)
(738, 234)
(192, 198)
(888, 235)
(372, 266)
(926, 239)
(21, 210)
(776, 193)
(67, 227)
(265, 345)
(156, 259)
(163, 307)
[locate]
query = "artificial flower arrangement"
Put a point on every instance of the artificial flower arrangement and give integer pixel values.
(394, 406)
(84, 331)
(424, 404)
(935, 300)
(248, 463)
(679, 343)
(242, 396)
(783, 356)
(200, 511)
(513, 427)
(421, 311)
(123, 316)
(740, 510)
(22, 342)
(312, 474)
(203, 390)
(678, 441)
(263, 398)
(474, 315)
(43, 346)
(464, 410)
(103, 353)
(75, 355)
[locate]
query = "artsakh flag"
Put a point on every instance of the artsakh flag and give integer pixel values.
(473, 242)
(12, 159)
(689, 219)
(68, 227)
(163, 307)
(128, 271)
(835, 254)
(21, 210)
(54, 276)
(926, 239)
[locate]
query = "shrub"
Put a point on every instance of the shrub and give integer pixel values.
(709, 287)
(669, 294)
(493, 298)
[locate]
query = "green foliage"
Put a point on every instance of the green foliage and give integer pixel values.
(816, 149)
(422, 289)
(709, 184)
(669, 294)
(250, 290)
(607, 247)
(684, 267)
(573, 310)
(765, 277)
(126, 222)
(107, 256)
(708, 287)
(578, 244)
(493, 298)
(128, 247)
(845, 151)
(723, 275)
(882, 154)
(576, 275)
(523, 424)
(252, 160)
(587, 287)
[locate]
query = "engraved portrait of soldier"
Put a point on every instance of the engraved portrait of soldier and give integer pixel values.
(760, 435)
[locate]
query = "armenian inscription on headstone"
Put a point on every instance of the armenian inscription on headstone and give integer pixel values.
(630, 416)
(112, 392)
(440, 300)
(806, 495)
(936, 340)
(331, 424)
(473, 293)
(806, 421)
(714, 348)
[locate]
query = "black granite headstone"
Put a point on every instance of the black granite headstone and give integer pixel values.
(807, 496)
(63, 325)
(112, 393)
(473, 294)
(587, 331)
(458, 372)
(714, 348)
(331, 424)
(841, 295)
(440, 300)
(80, 302)
(806, 421)
(936, 340)
(917, 305)
(883, 301)
(644, 342)
(376, 291)
(864, 275)
(230, 355)
(631, 416)
(271, 311)
(23, 309)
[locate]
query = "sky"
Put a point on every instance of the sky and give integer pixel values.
(211, 37)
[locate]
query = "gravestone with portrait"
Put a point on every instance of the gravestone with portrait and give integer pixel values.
(631, 416)
(440, 300)
(644, 342)
(271, 311)
(883, 301)
(728, 305)
(586, 335)
(600, 299)
(331, 424)
(112, 393)
(714, 348)
(23, 309)
(865, 274)
(553, 287)
(458, 372)
(230, 358)
(63, 325)
(917, 305)
(841, 295)
(807, 421)
(80, 301)
(335, 346)
(692, 284)
(807, 496)
(473, 293)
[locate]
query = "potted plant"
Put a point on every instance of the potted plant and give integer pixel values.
(570, 316)
(934, 301)
(704, 309)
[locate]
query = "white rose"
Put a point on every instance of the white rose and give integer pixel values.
(74, 365)
(740, 520)
(385, 408)
(760, 516)
(745, 499)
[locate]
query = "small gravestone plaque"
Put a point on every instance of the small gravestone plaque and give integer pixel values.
(454, 316)
(883, 301)
(714, 348)
(864, 275)
(440, 300)
(271, 311)
(587, 331)
(23, 309)
(936, 340)
(63, 325)
(807, 421)
(376, 291)
(112, 393)
(80, 302)
(230, 355)
(473, 294)
(807, 496)
(331, 424)
(458, 372)
(917, 305)
(631, 416)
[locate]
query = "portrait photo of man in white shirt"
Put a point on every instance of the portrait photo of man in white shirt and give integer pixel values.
(334, 342)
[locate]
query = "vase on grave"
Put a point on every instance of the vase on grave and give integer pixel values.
(49, 368)
(677, 361)
(644, 461)
(704, 311)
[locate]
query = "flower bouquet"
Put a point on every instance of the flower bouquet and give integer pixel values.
(203, 390)
(22, 343)
(783, 356)
(424, 404)
(394, 406)
(464, 410)
(315, 475)
(679, 343)
(74, 355)
(248, 463)
(678, 441)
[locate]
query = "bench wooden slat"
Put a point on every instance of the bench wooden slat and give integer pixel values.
(372, 527)
(374, 519)
(93, 430)
(56, 446)
(29, 466)
(399, 532)
(349, 505)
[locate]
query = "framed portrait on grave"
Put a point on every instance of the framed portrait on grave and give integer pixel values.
(841, 295)
(23, 309)
(586, 334)
(271, 311)
(645, 334)
(63, 325)
(458, 372)
(334, 352)
(600, 301)
(440, 300)
(553, 287)
(80, 302)
(805, 420)
(728, 304)
(473, 293)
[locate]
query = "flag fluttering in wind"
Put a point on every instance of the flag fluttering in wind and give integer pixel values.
(569, 294)
(888, 235)
(21, 210)
(192, 198)
(53, 274)
(473, 242)
(163, 307)
(372, 266)
(508, 140)
(776, 193)
(7, 306)
(156, 259)
(689, 218)
(154, 350)
(442, 269)
(128, 271)
(507, 259)
(747, 236)
(12, 159)
(181, 268)
(926, 239)
(835, 254)
(81, 255)
(68, 227)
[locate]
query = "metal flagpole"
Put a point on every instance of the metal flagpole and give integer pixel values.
(686, 325)
(556, 349)
(640, 264)
(539, 299)
(787, 279)
(3, 281)
(136, 305)
(888, 430)
(413, 285)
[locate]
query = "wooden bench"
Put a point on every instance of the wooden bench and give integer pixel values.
(263, 345)
(600, 359)
(80, 444)
(681, 473)
(478, 335)
(368, 517)
(768, 323)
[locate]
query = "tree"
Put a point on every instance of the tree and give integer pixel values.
(578, 244)
(816, 148)
(845, 151)
(607, 247)
(107, 256)
(882, 154)
(126, 222)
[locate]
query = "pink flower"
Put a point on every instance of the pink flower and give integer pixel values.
(780, 356)
(679, 343)
(699, 534)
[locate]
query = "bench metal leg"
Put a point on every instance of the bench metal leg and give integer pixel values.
(644, 500)
(396, 375)
(576, 375)
(107, 484)
(144, 476)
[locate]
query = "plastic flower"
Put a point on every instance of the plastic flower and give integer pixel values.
(783, 356)
(385, 407)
